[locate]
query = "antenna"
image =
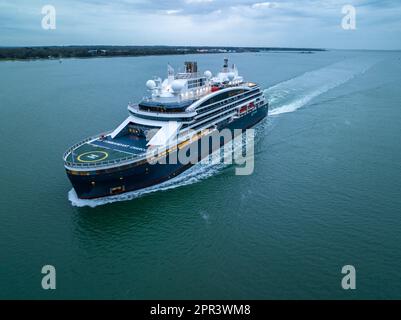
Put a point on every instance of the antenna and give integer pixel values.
(170, 73)
(170, 70)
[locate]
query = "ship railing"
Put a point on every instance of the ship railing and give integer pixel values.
(189, 94)
(188, 75)
(107, 163)
(82, 142)
(104, 163)
(169, 114)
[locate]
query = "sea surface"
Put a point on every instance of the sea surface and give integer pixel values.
(325, 191)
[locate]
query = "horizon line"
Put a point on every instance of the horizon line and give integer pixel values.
(194, 46)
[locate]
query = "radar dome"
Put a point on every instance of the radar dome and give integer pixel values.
(177, 85)
(208, 74)
(151, 84)
(231, 76)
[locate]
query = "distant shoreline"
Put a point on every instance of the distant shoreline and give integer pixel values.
(64, 52)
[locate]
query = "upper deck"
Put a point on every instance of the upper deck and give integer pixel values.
(179, 90)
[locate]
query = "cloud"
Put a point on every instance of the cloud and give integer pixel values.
(203, 22)
(173, 11)
(261, 5)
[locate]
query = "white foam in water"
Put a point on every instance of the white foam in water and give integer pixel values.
(295, 93)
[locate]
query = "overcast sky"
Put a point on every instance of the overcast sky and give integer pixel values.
(284, 23)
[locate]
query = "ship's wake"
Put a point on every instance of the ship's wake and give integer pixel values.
(289, 96)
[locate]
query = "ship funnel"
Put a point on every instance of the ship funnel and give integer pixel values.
(191, 67)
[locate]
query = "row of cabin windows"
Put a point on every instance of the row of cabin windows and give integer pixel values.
(228, 107)
(217, 105)
(222, 112)
(226, 95)
(239, 94)
(196, 83)
(211, 120)
(222, 96)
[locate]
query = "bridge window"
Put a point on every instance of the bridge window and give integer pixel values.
(161, 108)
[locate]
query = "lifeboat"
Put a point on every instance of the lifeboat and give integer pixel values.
(215, 88)
(251, 106)
(243, 109)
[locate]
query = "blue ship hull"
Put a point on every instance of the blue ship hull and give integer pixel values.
(141, 175)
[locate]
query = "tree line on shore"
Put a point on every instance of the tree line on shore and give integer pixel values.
(59, 52)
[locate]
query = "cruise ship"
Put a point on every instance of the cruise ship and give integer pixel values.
(178, 111)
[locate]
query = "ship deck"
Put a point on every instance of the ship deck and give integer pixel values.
(106, 149)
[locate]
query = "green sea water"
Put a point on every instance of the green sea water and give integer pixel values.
(325, 191)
